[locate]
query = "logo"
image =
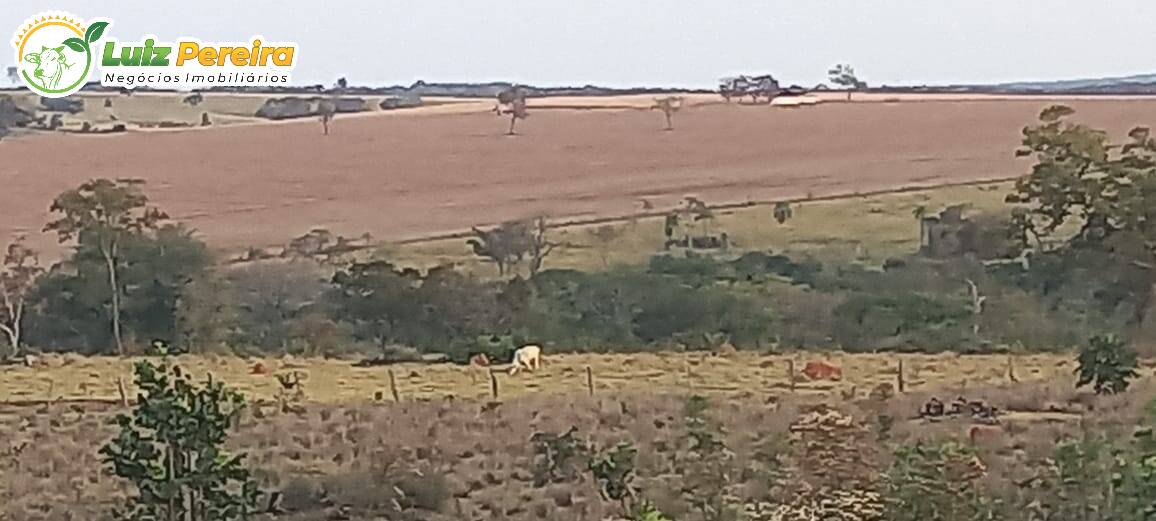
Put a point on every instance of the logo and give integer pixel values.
(55, 52)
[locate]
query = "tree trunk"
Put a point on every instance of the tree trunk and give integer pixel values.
(12, 341)
(848, 95)
(513, 120)
(110, 261)
(669, 126)
(15, 312)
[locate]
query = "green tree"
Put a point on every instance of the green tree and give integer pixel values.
(106, 214)
(380, 301)
(18, 274)
(171, 448)
(71, 302)
(1106, 190)
(1107, 363)
(843, 75)
(156, 271)
(266, 298)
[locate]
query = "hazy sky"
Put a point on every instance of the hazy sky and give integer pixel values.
(657, 42)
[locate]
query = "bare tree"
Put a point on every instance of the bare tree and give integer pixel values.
(668, 105)
(977, 301)
(505, 245)
(17, 276)
(326, 109)
(540, 245)
(13, 74)
(512, 102)
(511, 242)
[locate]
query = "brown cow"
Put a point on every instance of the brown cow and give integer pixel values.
(983, 432)
(822, 371)
(480, 359)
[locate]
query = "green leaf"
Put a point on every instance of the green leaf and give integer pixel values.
(76, 44)
(95, 31)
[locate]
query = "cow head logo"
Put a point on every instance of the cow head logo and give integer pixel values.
(54, 52)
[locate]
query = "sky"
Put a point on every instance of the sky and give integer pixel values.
(660, 43)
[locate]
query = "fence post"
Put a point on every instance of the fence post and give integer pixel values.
(590, 380)
(123, 394)
(791, 373)
(494, 385)
(902, 385)
(393, 387)
(1011, 368)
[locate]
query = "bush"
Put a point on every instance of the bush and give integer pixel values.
(1107, 363)
(171, 449)
(556, 456)
(426, 490)
(613, 470)
(935, 482)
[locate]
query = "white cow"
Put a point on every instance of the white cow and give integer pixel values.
(528, 357)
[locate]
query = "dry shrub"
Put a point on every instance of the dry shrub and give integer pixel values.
(468, 460)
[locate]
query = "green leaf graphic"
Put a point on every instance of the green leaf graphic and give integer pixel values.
(95, 31)
(76, 44)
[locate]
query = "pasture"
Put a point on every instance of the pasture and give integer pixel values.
(74, 378)
(341, 455)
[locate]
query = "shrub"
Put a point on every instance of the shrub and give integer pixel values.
(646, 511)
(1107, 363)
(425, 489)
(171, 449)
(708, 465)
(613, 469)
(556, 455)
(935, 482)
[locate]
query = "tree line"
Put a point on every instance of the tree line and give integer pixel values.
(1077, 225)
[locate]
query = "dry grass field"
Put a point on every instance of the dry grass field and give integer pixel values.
(71, 378)
(342, 456)
(409, 175)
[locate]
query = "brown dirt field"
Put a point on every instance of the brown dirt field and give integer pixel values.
(406, 177)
